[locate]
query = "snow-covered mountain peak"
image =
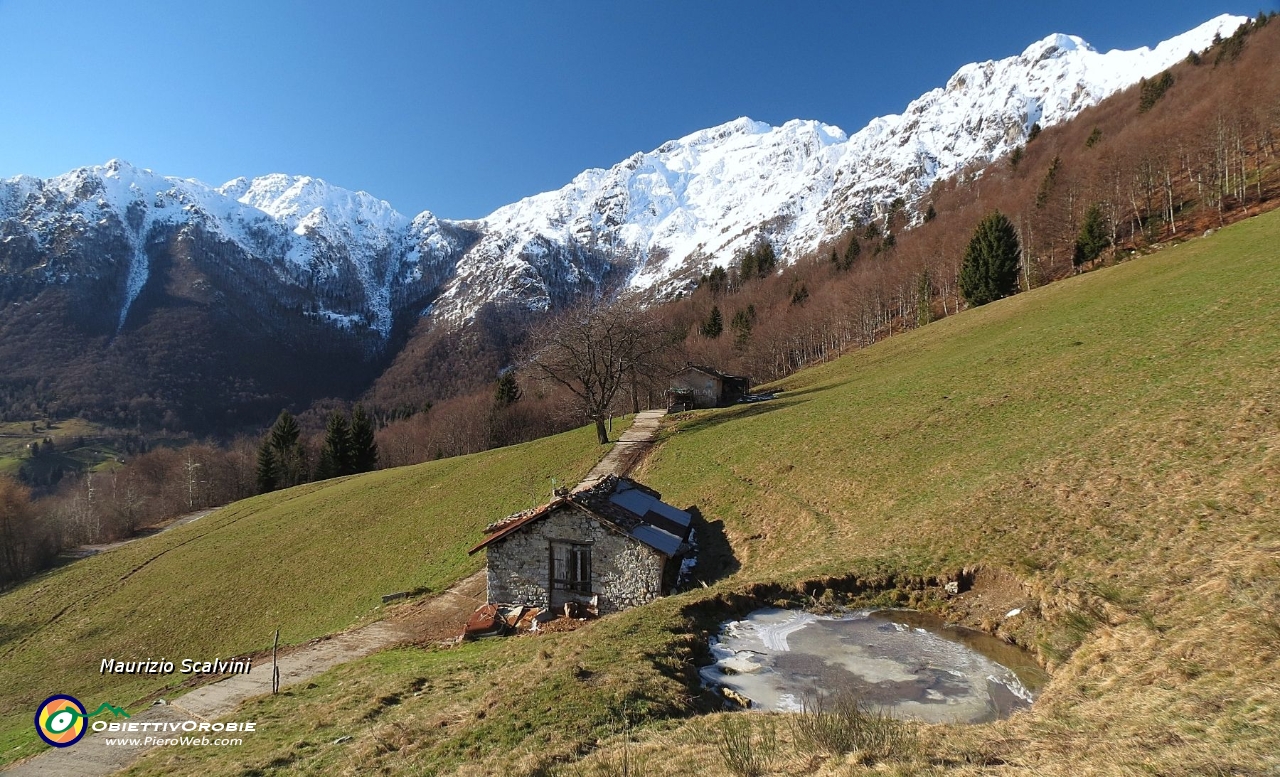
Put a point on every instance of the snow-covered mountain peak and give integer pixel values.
(701, 199)
(114, 185)
(655, 210)
(742, 125)
(1053, 45)
(290, 199)
(656, 220)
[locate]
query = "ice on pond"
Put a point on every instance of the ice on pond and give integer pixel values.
(907, 663)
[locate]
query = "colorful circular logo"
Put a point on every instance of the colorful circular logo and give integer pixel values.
(60, 720)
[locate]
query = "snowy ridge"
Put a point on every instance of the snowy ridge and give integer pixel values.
(654, 221)
(309, 233)
(697, 201)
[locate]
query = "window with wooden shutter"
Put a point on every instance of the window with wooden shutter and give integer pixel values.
(571, 567)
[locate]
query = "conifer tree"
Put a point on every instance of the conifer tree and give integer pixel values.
(1150, 92)
(285, 432)
(291, 460)
(741, 326)
(990, 268)
(766, 260)
(364, 445)
(1093, 238)
(799, 293)
(268, 470)
(1046, 184)
(851, 253)
(335, 456)
(718, 280)
(1015, 158)
(507, 392)
(326, 467)
(758, 262)
(714, 325)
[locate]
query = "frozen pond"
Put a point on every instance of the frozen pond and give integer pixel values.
(908, 663)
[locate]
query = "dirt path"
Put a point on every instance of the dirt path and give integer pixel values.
(85, 551)
(435, 619)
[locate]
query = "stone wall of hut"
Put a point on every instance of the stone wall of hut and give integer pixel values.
(624, 571)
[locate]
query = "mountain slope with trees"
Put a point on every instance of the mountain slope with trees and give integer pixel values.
(1123, 178)
(149, 302)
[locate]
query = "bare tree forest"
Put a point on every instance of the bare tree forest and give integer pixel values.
(1154, 165)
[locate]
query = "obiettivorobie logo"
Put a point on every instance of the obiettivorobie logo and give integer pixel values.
(61, 720)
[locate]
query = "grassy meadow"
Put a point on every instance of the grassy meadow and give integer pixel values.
(80, 446)
(1110, 443)
(310, 561)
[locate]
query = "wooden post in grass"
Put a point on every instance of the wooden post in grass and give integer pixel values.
(275, 669)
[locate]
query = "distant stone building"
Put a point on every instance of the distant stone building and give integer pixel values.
(609, 546)
(697, 386)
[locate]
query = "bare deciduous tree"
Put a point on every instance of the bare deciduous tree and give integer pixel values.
(594, 350)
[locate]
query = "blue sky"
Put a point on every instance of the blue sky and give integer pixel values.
(462, 107)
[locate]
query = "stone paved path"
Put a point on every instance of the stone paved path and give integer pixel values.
(629, 448)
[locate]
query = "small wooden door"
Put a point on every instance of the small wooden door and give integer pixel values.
(570, 573)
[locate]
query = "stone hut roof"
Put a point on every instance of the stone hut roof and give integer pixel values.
(712, 371)
(622, 504)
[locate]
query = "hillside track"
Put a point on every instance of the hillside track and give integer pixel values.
(432, 620)
(427, 620)
(630, 448)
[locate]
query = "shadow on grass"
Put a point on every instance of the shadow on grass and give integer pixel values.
(15, 632)
(716, 560)
(818, 389)
(735, 413)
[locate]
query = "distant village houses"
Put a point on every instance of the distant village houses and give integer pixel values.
(698, 387)
(604, 548)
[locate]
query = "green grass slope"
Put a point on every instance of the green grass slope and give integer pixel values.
(310, 561)
(1110, 443)
(81, 445)
(1077, 427)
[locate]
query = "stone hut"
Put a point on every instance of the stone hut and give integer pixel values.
(610, 545)
(697, 386)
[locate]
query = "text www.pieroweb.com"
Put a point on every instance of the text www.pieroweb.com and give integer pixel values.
(185, 734)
